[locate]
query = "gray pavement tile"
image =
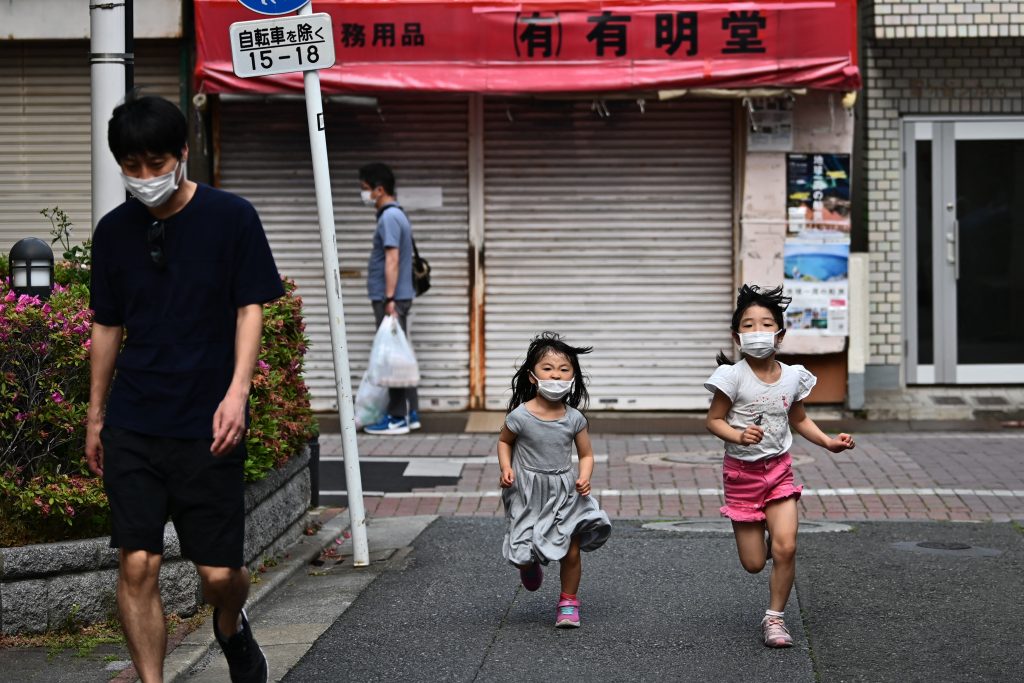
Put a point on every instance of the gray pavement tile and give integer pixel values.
(38, 665)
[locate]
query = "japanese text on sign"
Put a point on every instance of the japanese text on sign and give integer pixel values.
(282, 45)
(542, 35)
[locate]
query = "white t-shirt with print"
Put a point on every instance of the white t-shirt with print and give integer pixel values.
(751, 397)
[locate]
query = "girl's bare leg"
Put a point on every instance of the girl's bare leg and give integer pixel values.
(750, 545)
(571, 568)
(782, 525)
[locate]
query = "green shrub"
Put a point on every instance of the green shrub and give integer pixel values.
(46, 492)
(281, 421)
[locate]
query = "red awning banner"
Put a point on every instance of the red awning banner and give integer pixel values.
(555, 46)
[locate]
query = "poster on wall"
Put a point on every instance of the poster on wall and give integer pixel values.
(771, 124)
(818, 195)
(816, 275)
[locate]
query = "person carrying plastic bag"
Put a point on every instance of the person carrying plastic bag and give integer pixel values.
(390, 287)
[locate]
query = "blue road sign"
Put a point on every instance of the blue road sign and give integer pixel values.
(274, 7)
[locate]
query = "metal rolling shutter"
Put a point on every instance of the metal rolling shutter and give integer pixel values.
(615, 231)
(44, 129)
(265, 158)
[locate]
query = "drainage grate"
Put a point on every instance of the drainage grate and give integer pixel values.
(990, 400)
(947, 548)
(948, 400)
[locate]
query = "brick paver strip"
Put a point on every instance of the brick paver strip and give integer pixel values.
(966, 476)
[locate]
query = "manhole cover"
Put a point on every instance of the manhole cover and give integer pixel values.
(947, 548)
(934, 545)
(694, 459)
(724, 526)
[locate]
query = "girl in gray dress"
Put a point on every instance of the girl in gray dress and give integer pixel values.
(551, 515)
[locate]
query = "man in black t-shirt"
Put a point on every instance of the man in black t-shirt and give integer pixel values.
(180, 272)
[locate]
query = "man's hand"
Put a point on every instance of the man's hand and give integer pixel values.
(508, 477)
(583, 486)
(93, 445)
(389, 308)
(228, 425)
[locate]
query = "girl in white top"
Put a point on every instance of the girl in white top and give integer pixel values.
(756, 401)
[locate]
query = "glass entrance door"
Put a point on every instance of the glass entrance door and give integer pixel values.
(964, 256)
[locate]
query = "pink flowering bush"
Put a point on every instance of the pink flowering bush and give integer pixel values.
(46, 491)
(281, 421)
(44, 380)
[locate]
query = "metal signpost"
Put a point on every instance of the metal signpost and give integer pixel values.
(305, 43)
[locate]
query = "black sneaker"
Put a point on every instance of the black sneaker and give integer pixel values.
(246, 660)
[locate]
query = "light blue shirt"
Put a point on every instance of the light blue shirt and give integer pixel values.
(393, 232)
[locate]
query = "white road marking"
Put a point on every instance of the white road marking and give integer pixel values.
(822, 493)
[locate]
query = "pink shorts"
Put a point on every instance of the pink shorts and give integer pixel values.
(750, 486)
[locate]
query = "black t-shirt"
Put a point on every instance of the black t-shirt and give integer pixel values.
(179, 322)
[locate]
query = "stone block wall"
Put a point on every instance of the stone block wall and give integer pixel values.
(898, 19)
(46, 587)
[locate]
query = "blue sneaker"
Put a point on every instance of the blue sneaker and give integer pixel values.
(414, 420)
(388, 425)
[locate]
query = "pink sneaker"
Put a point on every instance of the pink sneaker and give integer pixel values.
(532, 576)
(568, 614)
(775, 633)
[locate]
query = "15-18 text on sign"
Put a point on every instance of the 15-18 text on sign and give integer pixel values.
(281, 45)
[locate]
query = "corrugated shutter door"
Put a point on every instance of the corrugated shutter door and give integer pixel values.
(265, 158)
(615, 231)
(45, 130)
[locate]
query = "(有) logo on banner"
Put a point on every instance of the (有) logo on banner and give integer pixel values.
(281, 45)
(274, 7)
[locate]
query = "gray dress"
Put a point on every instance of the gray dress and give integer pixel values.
(542, 507)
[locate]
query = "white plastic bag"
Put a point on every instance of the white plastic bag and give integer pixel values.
(371, 402)
(392, 361)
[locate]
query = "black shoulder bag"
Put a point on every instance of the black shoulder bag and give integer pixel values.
(420, 271)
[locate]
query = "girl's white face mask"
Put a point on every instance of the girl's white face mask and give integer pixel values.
(758, 344)
(553, 389)
(155, 191)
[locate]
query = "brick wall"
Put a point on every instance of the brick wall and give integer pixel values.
(949, 76)
(931, 19)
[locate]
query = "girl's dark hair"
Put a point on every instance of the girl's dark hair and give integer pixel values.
(549, 342)
(752, 295)
(146, 124)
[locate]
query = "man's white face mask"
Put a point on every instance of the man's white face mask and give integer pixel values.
(366, 196)
(155, 191)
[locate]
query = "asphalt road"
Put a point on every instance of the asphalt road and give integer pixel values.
(870, 605)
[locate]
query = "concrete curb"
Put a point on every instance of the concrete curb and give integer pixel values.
(200, 643)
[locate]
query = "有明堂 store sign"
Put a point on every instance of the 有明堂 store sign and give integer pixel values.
(548, 46)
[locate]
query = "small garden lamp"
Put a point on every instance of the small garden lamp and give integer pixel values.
(32, 267)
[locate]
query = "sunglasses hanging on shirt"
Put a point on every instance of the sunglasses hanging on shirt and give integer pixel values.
(155, 240)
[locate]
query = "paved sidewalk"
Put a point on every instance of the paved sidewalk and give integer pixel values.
(962, 476)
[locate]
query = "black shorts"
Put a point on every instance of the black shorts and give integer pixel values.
(148, 478)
